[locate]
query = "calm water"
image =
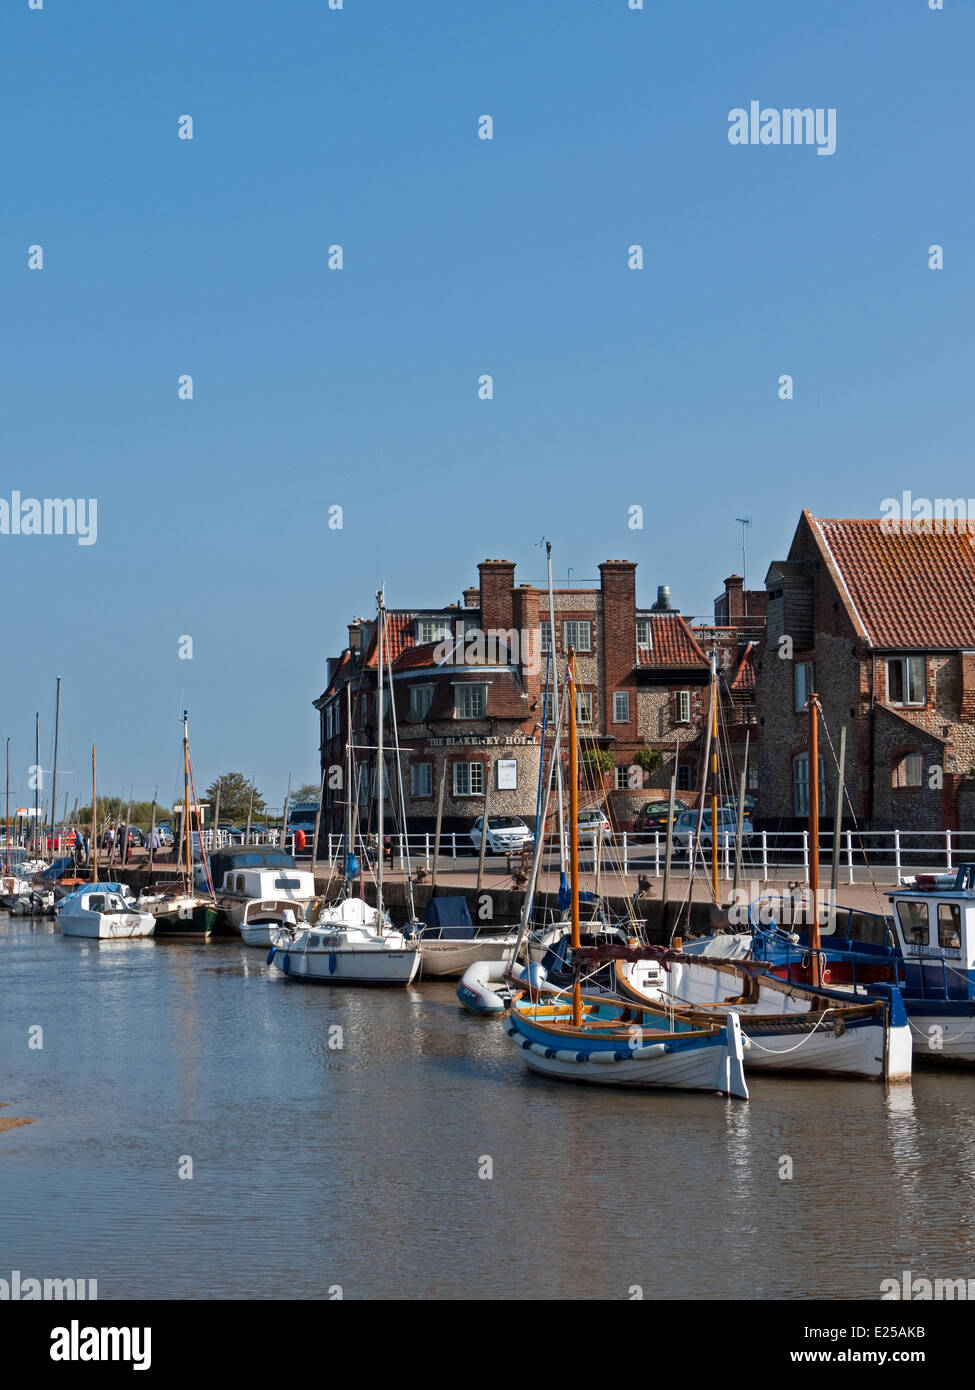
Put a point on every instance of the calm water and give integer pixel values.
(315, 1167)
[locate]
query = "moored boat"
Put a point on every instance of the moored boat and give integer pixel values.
(99, 911)
(350, 943)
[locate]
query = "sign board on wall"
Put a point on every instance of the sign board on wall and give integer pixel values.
(507, 774)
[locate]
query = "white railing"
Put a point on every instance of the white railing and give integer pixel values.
(864, 856)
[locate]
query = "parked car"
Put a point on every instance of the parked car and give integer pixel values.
(653, 815)
(685, 827)
(136, 837)
(505, 834)
(590, 822)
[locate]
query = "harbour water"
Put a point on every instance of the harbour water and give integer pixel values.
(358, 1168)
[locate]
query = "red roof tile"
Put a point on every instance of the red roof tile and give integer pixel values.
(744, 677)
(671, 643)
(903, 588)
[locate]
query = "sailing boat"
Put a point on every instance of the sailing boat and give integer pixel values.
(101, 910)
(351, 942)
(179, 910)
(608, 1041)
(797, 1026)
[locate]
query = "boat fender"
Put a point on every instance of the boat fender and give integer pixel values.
(652, 1050)
(286, 963)
(271, 954)
(549, 1052)
(538, 1049)
(602, 1056)
(331, 962)
(564, 1056)
(510, 1029)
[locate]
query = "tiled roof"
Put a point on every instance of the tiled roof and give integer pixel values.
(400, 630)
(416, 658)
(744, 677)
(671, 644)
(903, 588)
(339, 672)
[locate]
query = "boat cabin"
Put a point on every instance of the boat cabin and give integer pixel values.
(256, 871)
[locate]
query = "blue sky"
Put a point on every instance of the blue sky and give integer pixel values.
(357, 387)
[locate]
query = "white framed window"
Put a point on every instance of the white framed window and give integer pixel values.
(578, 634)
(432, 630)
(905, 680)
(643, 632)
(584, 706)
(804, 680)
(545, 635)
(468, 779)
(470, 701)
(909, 771)
(421, 779)
(682, 706)
(621, 707)
(623, 778)
(421, 698)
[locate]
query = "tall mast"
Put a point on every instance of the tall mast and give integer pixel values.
(553, 667)
(186, 798)
(379, 751)
(348, 776)
(574, 841)
(814, 940)
(54, 776)
(94, 822)
(37, 773)
(8, 806)
(714, 773)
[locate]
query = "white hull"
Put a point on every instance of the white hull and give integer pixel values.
(258, 934)
(868, 1050)
(442, 959)
(109, 927)
(939, 1039)
(345, 965)
(713, 1068)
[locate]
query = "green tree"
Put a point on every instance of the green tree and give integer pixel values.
(308, 791)
(235, 797)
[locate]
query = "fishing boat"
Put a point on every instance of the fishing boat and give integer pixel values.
(601, 1040)
(100, 911)
(351, 942)
(925, 950)
(180, 907)
(791, 1028)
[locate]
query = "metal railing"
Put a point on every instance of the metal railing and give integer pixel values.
(883, 856)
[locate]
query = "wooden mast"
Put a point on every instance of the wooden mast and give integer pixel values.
(814, 939)
(714, 774)
(7, 839)
(574, 837)
(54, 774)
(381, 597)
(37, 773)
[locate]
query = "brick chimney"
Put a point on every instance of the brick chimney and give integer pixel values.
(497, 583)
(967, 711)
(472, 598)
(618, 584)
(355, 636)
(734, 590)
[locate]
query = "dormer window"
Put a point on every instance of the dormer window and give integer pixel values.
(432, 630)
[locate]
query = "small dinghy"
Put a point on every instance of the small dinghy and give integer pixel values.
(488, 986)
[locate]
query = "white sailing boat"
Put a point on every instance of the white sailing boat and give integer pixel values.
(351, 942)
(99, 911)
